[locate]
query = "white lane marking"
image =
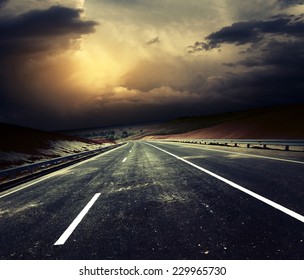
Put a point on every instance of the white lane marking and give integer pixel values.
(63, 238)
(124, 159)
(55, 173)
(236, 186)
(249, 155)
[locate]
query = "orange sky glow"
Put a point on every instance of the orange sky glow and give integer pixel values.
(113, 61)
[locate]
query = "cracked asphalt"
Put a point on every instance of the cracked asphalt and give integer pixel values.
(155, 206)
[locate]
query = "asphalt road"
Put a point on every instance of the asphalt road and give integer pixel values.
(165, 201)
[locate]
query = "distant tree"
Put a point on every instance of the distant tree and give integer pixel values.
(124, 134)
(110, 137)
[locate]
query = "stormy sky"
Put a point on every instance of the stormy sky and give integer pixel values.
(70, 64)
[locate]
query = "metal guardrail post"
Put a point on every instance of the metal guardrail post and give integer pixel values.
(248, 142)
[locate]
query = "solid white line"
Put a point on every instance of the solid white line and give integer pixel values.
(63, 238)
(124, 159)
(236, 186)
(58, 172)
(250, 155)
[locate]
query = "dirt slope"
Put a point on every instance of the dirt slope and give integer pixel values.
(269, 123)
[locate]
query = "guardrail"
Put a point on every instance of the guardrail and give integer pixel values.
(17, 175)
(248, 142)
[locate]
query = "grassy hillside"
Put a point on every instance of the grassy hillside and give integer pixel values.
(21, 145)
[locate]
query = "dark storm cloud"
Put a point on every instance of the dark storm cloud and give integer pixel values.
(259, 87)
(287, 55)
(154, 41)
(3, 3)
(276, 73)
(274, 61)
(35, 34)
(54, 21)
(287, 3)
(241, 33)
(29, 83)
(41, 30)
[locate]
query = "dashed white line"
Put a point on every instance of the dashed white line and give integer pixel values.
(236, 186)
(124, 159)
(63, 238)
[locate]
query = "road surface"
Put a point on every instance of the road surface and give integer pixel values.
(149, 200)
